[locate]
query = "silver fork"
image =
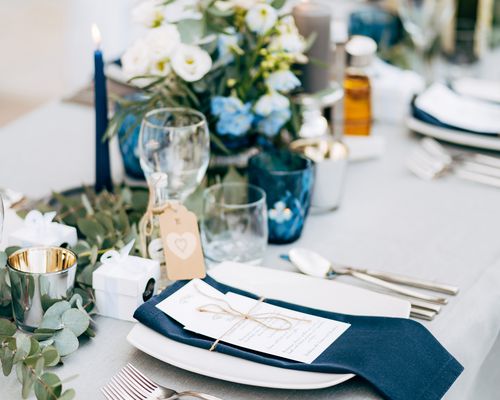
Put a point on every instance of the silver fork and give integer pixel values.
(427, 165)
(131, 384)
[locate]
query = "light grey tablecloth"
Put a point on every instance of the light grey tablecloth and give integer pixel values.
(447, 230)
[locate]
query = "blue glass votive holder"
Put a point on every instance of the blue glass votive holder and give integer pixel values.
(287, 178)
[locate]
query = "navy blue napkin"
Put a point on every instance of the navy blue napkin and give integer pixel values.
(398, 356)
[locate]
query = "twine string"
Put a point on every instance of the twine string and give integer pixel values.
(262, 319)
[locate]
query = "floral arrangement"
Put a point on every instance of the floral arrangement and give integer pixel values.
(231, 59)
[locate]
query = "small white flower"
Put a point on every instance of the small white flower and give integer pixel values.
(280, 213)
(271, 102)
(261, 18)
(148, 13)
(290, 42)
(283, 80)
(191, 63)
(179, 10)
(136, 60)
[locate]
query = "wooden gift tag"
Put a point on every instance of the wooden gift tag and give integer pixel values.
(181, 243)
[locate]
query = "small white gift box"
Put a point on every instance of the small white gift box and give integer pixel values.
(123, 282)
(39, 230)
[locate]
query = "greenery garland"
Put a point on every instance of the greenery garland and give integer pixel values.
(104, 221)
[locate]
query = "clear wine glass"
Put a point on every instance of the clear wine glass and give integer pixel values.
(424, 20)
(174, 143)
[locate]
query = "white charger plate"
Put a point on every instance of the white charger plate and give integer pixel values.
(454, 135)
(282, 285)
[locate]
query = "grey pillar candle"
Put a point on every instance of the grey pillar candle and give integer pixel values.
(314, 18)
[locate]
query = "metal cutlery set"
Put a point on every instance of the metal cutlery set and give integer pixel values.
(430, 160)
(131, 384)
(423, 305)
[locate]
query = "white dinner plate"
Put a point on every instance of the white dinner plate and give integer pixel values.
(271, 283)
(454, 135)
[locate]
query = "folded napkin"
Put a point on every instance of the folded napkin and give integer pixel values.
(398, 356)
(441, 106)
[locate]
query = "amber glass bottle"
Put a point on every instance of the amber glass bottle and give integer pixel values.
(357, 90)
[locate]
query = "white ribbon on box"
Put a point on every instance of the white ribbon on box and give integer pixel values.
(120, 281)
(40, 230)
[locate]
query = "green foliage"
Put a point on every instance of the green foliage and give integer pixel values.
(104, 221)
(30, 359)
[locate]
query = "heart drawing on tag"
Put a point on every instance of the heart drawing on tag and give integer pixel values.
(182, 245)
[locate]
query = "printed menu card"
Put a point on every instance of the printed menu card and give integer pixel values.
(250, 323)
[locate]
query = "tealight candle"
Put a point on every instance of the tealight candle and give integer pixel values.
(314, 18)
(102, 167)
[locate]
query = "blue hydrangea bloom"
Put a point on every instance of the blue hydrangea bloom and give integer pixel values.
(271, 125)
(235, 118)
(226, 105)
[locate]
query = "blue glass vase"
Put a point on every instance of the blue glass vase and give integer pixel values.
(287, 178)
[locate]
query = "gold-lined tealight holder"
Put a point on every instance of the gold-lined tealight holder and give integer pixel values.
(39, 277)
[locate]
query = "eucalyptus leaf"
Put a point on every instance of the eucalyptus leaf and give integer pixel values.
(23, 346)
(65, 342)
(3, 259)
(47, 342)
(35, 346)
(67, 395)
(91, 229)
(75, 320)
(7, 328)
(48, 387)
(57, 309)
(28, 380)
(51, 356)
(278, 4)
(53, 322)
(7, 358)
(42, 334)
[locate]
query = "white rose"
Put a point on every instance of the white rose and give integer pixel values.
(148, 13)
(191, 63)
(271, 102)
(261, 18)
(162, 41)
(136, 60)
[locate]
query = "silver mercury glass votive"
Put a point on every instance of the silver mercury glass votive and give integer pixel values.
(330, 157)
(39, 277)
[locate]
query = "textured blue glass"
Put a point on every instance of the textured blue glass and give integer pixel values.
(128, 135)
(287, 178)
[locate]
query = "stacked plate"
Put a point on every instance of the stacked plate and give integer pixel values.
(467, 113)
(270, 283)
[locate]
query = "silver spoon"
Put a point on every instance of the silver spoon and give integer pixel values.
(313, 264)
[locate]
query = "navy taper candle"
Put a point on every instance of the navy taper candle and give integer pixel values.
(102, 166)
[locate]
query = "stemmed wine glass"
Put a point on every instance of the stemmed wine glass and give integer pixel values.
(174, 151)
(174, 147)
(424, 20)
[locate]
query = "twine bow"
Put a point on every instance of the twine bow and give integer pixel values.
(260, 318)
(38, 221)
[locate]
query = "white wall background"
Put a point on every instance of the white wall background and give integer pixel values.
(46, 47)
